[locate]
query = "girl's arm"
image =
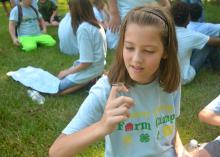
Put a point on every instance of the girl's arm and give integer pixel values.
(73, 69)
(179, 148)
(115, 21)
(70, 145)
(116, 110)
(53, 15)
(43, 25)
(209, 117)
(12, 29)
(213, 41)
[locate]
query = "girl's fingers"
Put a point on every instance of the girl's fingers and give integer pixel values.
(120, 111)
(121, 101)
(118, 119)
(115, 101)
(116, 88)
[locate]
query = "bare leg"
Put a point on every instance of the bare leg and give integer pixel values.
(72, 89)
(201, 152)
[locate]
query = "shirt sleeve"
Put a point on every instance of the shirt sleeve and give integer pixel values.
(214, 106)
(98, 15)
(14, 14)
(40, 15)
(91, 109)
(85, 45)
(200, 40)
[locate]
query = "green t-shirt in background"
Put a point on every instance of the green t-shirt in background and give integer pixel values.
(46, 9)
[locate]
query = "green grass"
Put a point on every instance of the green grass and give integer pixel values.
(28, 129)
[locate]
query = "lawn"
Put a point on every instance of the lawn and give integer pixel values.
(28, 129)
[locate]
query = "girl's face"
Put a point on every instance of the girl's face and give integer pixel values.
(42, 1)
(142, 52)
(27, 2)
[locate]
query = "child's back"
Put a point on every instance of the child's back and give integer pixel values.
(92, 48)
(67, 38)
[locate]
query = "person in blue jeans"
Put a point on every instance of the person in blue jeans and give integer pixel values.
(91, 44)
(211, 115)
(194, 48)
(134, 106)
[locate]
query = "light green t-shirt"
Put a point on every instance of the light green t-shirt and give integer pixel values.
(149, 131)
(91, 43)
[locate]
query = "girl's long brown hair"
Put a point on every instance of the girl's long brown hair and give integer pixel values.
(81, 11)
(169, 73)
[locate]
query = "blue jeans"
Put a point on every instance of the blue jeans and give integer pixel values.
(65, 84)
(208, 53)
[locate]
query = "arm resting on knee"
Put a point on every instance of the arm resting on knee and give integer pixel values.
(209, 117)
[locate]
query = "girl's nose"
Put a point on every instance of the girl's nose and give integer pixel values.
(137, 57)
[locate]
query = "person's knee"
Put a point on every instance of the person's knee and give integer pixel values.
(65, 84)
(204, 153)
(203, 116)
(48, 40)
(27, 43)
(29, 47)
(52, 42)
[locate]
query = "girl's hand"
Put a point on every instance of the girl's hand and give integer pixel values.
(114, 23)
(16, 41)
(116, 110)
(63, 73)
(184, 153)
(44, 30)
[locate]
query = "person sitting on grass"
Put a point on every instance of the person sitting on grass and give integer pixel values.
(48, 10)
(67, 37)
(210, 115)
(210, 29)
(24, 27)
(129, 104)
(194, 48)
(91, 42)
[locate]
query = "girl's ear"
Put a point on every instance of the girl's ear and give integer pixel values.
(164, 55)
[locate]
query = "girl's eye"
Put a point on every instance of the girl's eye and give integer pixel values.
(129, 48)
(148, 51)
